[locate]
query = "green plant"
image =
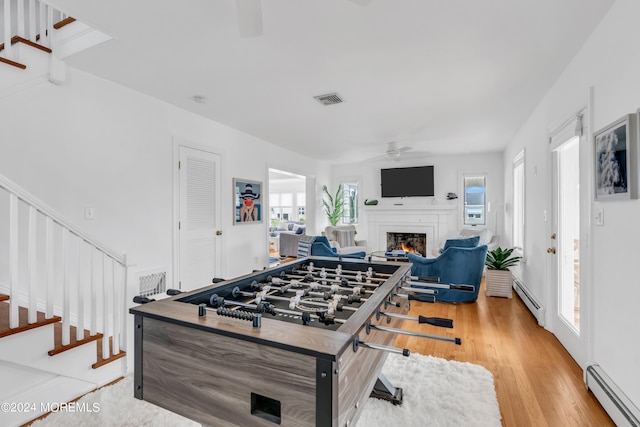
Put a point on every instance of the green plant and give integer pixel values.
(501, 259)
(333, 205)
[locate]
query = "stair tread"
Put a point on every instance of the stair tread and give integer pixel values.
(23, 322)
(50, 392)
(73, 342)
(101, 361)
(4, 297)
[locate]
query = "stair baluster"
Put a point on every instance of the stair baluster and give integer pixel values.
(32, 279)
(13, 261)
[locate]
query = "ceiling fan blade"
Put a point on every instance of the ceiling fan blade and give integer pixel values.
(361, 2)
(249, 17)
(404, 149)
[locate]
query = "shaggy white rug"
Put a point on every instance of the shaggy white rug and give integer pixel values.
(436, 393)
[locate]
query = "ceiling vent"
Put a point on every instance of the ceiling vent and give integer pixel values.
(329, 99)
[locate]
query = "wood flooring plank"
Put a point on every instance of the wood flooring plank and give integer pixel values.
(537, 382)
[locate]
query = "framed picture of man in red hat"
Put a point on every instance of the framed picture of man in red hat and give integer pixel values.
(248, 201)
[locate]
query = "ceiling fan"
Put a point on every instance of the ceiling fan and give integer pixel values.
(250, 16)
(393, 152)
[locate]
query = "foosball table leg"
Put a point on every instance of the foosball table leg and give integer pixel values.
(383, 389)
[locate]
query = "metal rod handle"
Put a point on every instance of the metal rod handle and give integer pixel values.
(457, 341)
(403, 351)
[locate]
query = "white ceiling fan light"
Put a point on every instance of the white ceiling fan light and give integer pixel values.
(395, 153)
(249, 17)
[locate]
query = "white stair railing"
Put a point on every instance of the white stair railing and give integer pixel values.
(65, 281)
(32, 20)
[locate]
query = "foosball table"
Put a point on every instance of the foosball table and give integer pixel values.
(300, 344)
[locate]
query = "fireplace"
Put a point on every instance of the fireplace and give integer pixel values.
(410, 242)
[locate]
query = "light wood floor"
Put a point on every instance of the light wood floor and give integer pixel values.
(537, 382)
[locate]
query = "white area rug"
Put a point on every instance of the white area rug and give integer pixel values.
(436, 393)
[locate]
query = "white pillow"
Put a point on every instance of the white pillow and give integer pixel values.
(283, 226)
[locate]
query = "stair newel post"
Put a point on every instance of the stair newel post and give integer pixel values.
(122, 331)
(105, 310)
(94, 296)
(32, 269)
(80, 284)
(50, 278)
(13, 259)
(8, 49)
(66, 294)
(32, 20)
(116, 310)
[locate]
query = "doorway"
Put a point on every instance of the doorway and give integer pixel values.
(566, 243)
(287, 212)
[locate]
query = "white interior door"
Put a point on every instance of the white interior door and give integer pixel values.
(199, 218)
(565, 243)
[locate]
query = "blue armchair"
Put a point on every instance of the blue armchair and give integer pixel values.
(455, 265)
(321, 247)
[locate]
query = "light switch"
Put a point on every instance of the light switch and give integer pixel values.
(599, 216)
(89, 213)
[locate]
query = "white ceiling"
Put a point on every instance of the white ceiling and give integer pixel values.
(440, 76)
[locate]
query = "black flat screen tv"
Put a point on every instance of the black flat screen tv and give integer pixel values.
(407, 182)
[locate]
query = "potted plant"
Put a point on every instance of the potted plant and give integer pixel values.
(333, 205)
(498, 277)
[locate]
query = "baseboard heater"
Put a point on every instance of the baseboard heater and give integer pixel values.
(529, 300)
(621, 410)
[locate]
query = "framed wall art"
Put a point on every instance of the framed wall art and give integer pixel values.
(247, 201)
(615, 162)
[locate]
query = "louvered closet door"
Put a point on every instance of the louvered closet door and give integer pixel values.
(199, 222)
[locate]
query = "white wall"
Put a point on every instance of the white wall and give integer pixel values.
(609, 63)
(447, 178)
(92, 143)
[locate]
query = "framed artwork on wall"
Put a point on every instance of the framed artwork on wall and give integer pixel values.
(615, 162)
(247, 201)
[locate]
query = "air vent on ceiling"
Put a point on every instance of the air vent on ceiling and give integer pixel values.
(329, 99)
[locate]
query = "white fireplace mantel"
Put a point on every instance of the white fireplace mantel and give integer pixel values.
(436, 221)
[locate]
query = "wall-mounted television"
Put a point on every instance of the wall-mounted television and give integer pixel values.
(407, 182)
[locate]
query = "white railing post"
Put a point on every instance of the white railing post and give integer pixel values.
(32, 267)
(80, 285)
(66, 294)
(13, 260)
(21, 20)
(8, 49)
(105, 311)
(124, 304)
(93, 329)
(32, 20)
(49, 26)
(49, 260)
(42, 22)
(116, 310)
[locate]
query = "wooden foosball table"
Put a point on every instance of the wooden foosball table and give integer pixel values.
(301, 344)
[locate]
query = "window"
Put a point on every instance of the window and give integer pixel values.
(518, 200)
(350, 206)
(475, 200)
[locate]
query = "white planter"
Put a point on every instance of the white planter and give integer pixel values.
(499, 283)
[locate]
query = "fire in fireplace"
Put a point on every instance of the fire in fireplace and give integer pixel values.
(410, 242)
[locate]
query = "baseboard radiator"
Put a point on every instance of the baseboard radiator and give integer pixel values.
(621, 410)
(529, 300)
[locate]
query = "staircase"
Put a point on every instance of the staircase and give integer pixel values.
(34, 40)
(62, 308)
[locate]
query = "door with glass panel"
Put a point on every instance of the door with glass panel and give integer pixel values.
(565, 242)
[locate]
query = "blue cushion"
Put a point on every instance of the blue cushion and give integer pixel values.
(300, 230)
(467, 242)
